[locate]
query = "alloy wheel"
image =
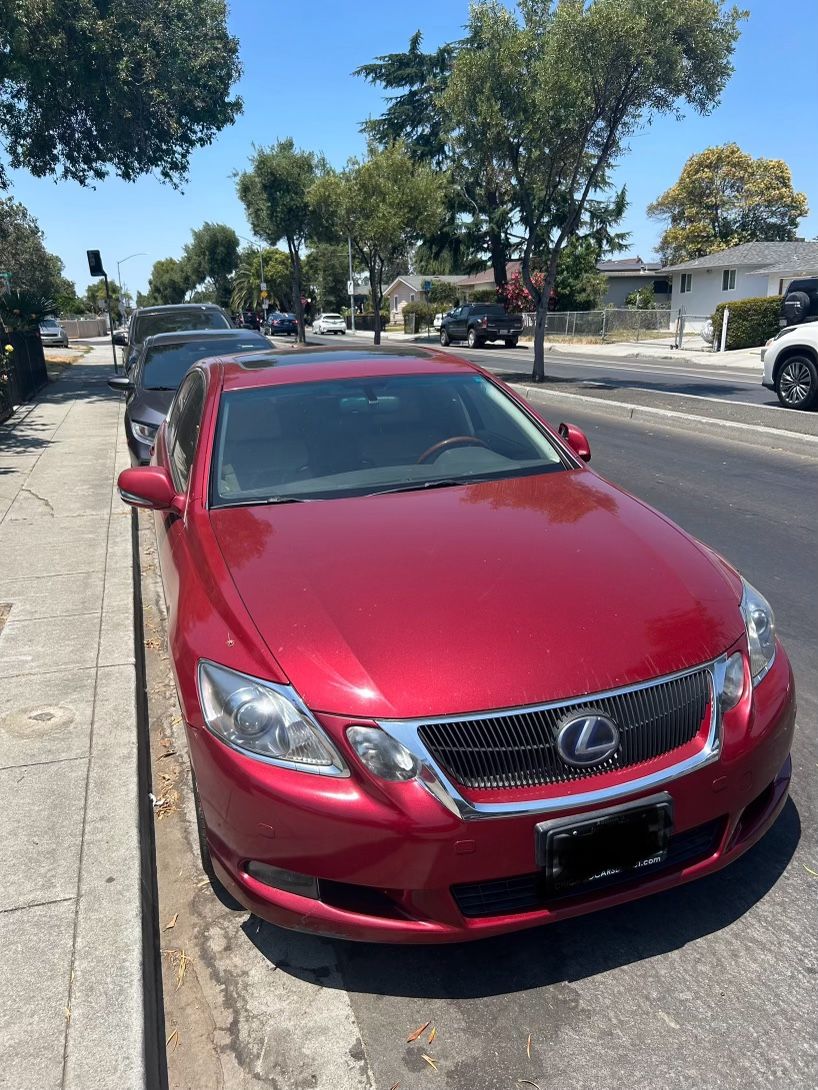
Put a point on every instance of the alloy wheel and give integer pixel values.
(795, 382)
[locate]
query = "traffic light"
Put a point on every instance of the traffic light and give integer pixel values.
(95, 263)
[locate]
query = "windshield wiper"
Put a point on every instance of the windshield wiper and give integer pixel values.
(267, 502)
(161, 387)
(420, 486)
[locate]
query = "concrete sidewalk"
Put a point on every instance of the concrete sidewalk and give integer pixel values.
(71, 1005)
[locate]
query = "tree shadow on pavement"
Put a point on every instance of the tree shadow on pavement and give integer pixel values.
(569, 950)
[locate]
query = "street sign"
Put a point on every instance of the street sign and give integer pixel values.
(263, 293)
(264, 287)
(95, 263)
(350, 287)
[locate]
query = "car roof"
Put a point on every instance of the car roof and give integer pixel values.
(274, 368)
(178, 306)
(183, 336)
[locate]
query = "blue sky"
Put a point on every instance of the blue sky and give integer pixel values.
(297, 82)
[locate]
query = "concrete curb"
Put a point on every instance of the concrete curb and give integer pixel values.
(645, 412)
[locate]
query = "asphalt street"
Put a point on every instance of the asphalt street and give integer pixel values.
(712, 985)
(663, 376)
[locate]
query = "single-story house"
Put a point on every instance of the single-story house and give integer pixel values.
(411, 288)
(749, 271)
(629, 274)
(468, 285)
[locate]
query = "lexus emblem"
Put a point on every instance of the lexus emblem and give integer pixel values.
(587, 739)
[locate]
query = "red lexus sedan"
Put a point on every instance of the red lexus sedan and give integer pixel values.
(440, 679)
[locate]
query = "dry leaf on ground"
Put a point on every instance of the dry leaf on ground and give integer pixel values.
(528, 1046)
(175, 1038)
(418, 1032)
(172, 921)
(429, 1060)
(433, 1034)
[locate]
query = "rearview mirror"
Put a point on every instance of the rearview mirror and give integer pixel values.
(149, 487)
(577, 440)
(120, 337)
(120, 383)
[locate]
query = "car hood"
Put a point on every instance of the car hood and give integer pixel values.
(150, 406)
(476, 597)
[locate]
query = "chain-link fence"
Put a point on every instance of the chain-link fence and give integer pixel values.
(660, 326)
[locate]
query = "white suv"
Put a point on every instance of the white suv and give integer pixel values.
(329, 323)
(790, 361)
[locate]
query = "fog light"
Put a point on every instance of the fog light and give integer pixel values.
(733, 684)
(383, 754)
(288, 880)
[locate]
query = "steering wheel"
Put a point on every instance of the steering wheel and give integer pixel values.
(437, 449)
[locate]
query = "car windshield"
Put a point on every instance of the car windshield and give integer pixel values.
(165, 365)
(49, 323)
(354, 437)
(173, 321)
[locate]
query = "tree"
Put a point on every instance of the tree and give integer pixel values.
(275, 193)
(169, 282)
(326, 269)
(443, 293)
(277, 276)
(213, 255)
(89, 87)
(477, 219)
(95, 297)
(643, 298)
(23, 254)
(554, 97)
(384, 204)
(725, 197)
(578, 284)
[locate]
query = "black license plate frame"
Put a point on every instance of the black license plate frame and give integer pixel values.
(604, 846)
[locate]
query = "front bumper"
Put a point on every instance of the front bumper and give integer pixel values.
(394, 865)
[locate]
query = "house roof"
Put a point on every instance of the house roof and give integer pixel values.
(416, 280)
(787, 256)
(627, 265)
(477, 280)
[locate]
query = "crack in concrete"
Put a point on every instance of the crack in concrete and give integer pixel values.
(42, 499)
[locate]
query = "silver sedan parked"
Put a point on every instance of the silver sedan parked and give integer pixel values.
(51, 332)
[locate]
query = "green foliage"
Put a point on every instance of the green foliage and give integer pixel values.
(277, 276)
(213, 255)
(444, 294)
(384, 204)
(484, 295)
(87, 87)
(23, 253)
(725, 197)
(170, 281)
(276, 194)
(547, 102)
(751, 321)
(326, 270)
(95, 296)
(643, 299)
(21, 310)
(578, 284)
(424, 313)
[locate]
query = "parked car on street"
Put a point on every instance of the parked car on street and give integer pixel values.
(163, 362)
(438, 321)
(329, 323)
(281, 324)
(477, 323)
(399, 730)
(148, 321)
(790, 361)
(51, 332)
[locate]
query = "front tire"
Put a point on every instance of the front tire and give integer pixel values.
(444, 338)
(796, 383)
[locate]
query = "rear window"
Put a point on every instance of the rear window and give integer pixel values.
(335, 317)
(489, 308)
(166, 365)
(173, 321)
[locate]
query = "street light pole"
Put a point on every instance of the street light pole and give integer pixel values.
(119, 280)
(351, 285)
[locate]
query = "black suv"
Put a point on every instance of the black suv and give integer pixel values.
(149, 321)
(800, 303)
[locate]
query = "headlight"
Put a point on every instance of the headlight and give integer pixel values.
(145, 432)
(383, 754)
(264, 720)
(760, 624)
(733, 684)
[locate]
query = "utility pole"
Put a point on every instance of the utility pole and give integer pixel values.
(119, 281)
(351, 286)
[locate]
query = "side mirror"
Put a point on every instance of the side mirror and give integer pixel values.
(120, 337)
(149, 487)
(120, 383)
(577, 440)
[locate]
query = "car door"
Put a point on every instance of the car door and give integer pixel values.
(181, 438)
(457, 327)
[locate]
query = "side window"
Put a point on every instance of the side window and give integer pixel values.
(183, 428)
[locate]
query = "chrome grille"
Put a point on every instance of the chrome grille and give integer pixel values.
(518, 749)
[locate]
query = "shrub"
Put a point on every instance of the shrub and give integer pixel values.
(21, 310)
(424, 314)
(751, 322)
(643, 299)
(485, 295)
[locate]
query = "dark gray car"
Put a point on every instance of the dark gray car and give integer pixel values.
(160, 366)
(151, 321)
